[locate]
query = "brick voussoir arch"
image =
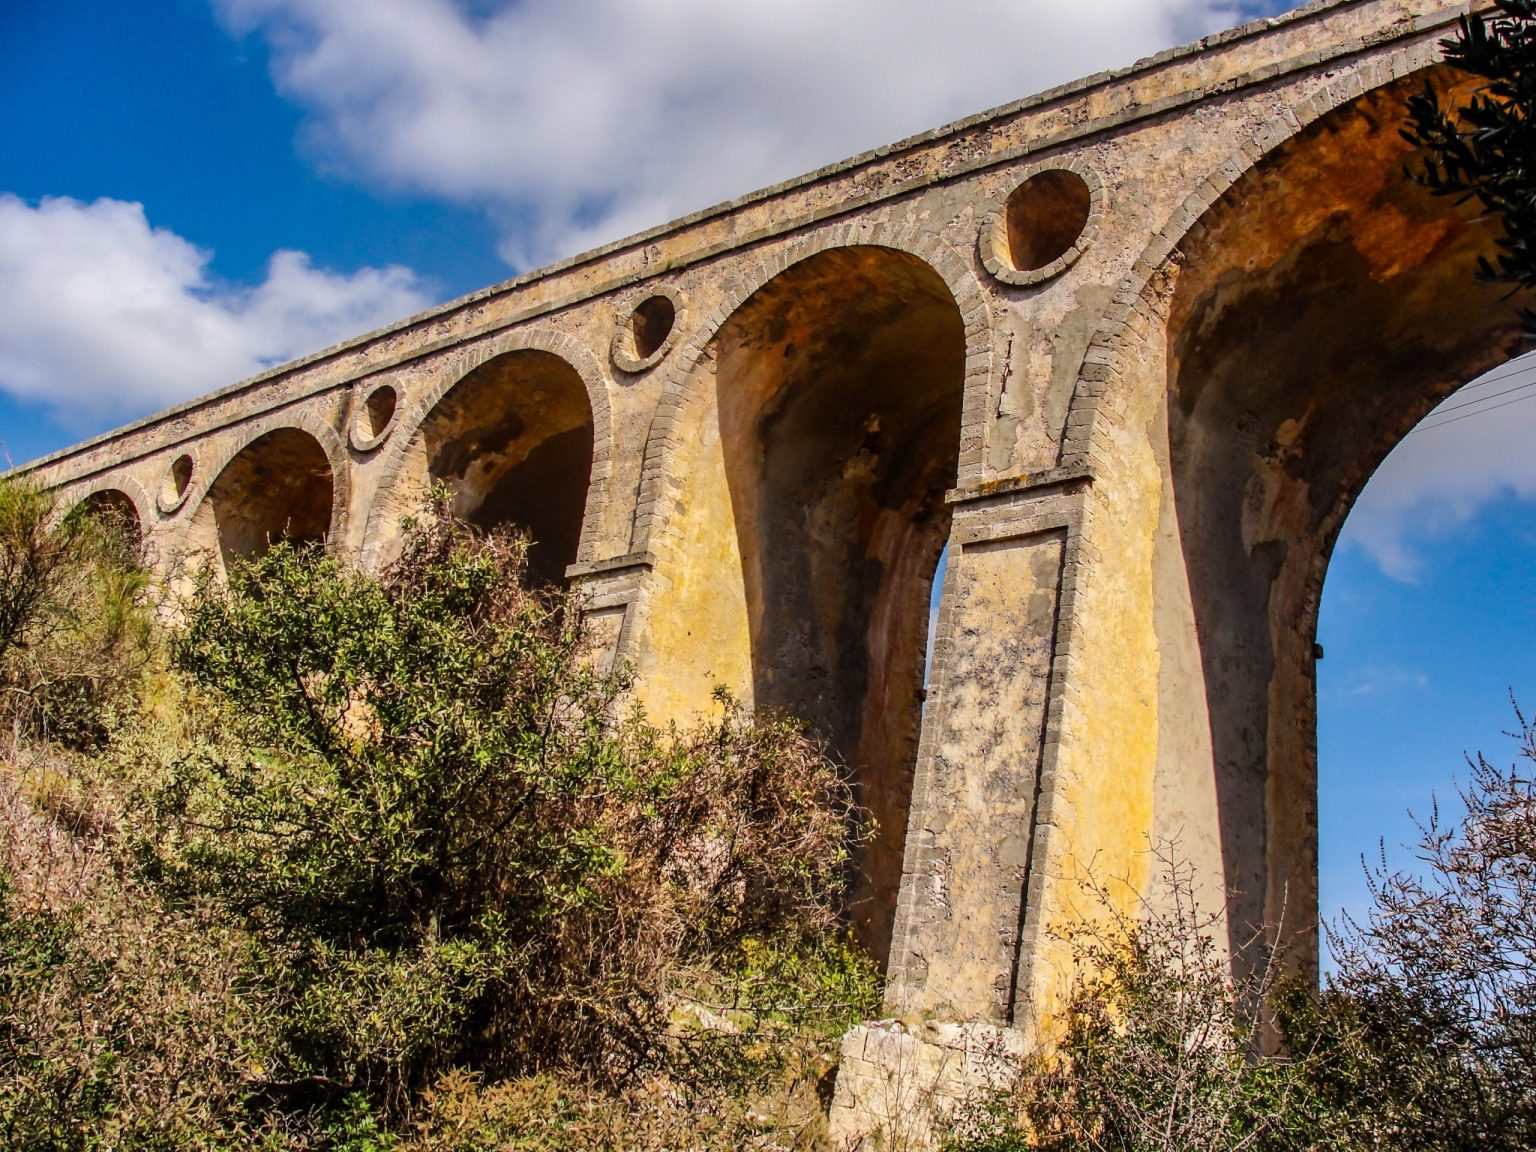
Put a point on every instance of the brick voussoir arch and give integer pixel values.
(143, 505)
(301, 420)
(684, 380)
(580, 359)
(1138, 302)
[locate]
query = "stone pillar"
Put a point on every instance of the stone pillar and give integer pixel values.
(612, 592)
(961, 986)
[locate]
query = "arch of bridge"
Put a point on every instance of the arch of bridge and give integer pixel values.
(571, 352)
(1140, 299)
(684, 381)
(1204, 327)
(209, 470)
(123, 484)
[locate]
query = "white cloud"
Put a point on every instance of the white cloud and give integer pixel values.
(1383, 680)
(1475, 448)
(577, 123)
(106, 317)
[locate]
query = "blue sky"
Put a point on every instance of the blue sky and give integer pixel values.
(194, 190)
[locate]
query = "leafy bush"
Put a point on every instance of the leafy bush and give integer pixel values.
(74, 629)
(389, 859)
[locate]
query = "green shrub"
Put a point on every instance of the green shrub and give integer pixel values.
(74, 628)
(384, 862)
(430, 842)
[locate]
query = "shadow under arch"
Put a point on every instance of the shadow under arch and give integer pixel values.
(1318, 310)
(513, 442)
(117, 508)
(654, 526)
(281, 485)
(840, 386)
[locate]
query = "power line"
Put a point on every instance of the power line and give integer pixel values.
(1484, 399)
(1519, 364)
(1479, 412)
(1517, 367)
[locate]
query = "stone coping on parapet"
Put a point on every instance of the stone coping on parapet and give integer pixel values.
(1409, 25)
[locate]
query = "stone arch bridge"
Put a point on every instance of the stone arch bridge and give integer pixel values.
(1129, 349)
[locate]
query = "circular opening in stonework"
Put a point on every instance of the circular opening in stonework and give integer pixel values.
(178, 479)
(1044, 217)
(644, 336)
(652, 324)
(375, 415)
(379, 410)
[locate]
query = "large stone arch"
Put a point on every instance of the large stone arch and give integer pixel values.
(684, 378)
(200, 533)
(1141, 297)
(397, 498)
(1292, 321)
(809, 446)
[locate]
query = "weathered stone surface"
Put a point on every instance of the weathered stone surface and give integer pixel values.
(895, 1080)
(1138, 454)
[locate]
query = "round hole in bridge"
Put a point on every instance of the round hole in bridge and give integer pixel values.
(378, 412)
(651, 324)
(645, 333)
(178, 479)
(1045, 215)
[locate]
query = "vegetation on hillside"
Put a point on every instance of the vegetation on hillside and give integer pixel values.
(359, 862)
(74, 633)
(346, 861)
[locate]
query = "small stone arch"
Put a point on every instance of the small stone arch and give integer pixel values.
(198, 533)
(123, 486)
(682, 382)
(1141, 299)
(388, 503)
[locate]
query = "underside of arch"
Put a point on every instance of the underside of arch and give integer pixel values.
(280, 486)
(839, 390)
(513, 444)
(1320, 309)
(117, 511)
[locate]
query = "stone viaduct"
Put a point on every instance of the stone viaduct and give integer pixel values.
(1129, 348)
